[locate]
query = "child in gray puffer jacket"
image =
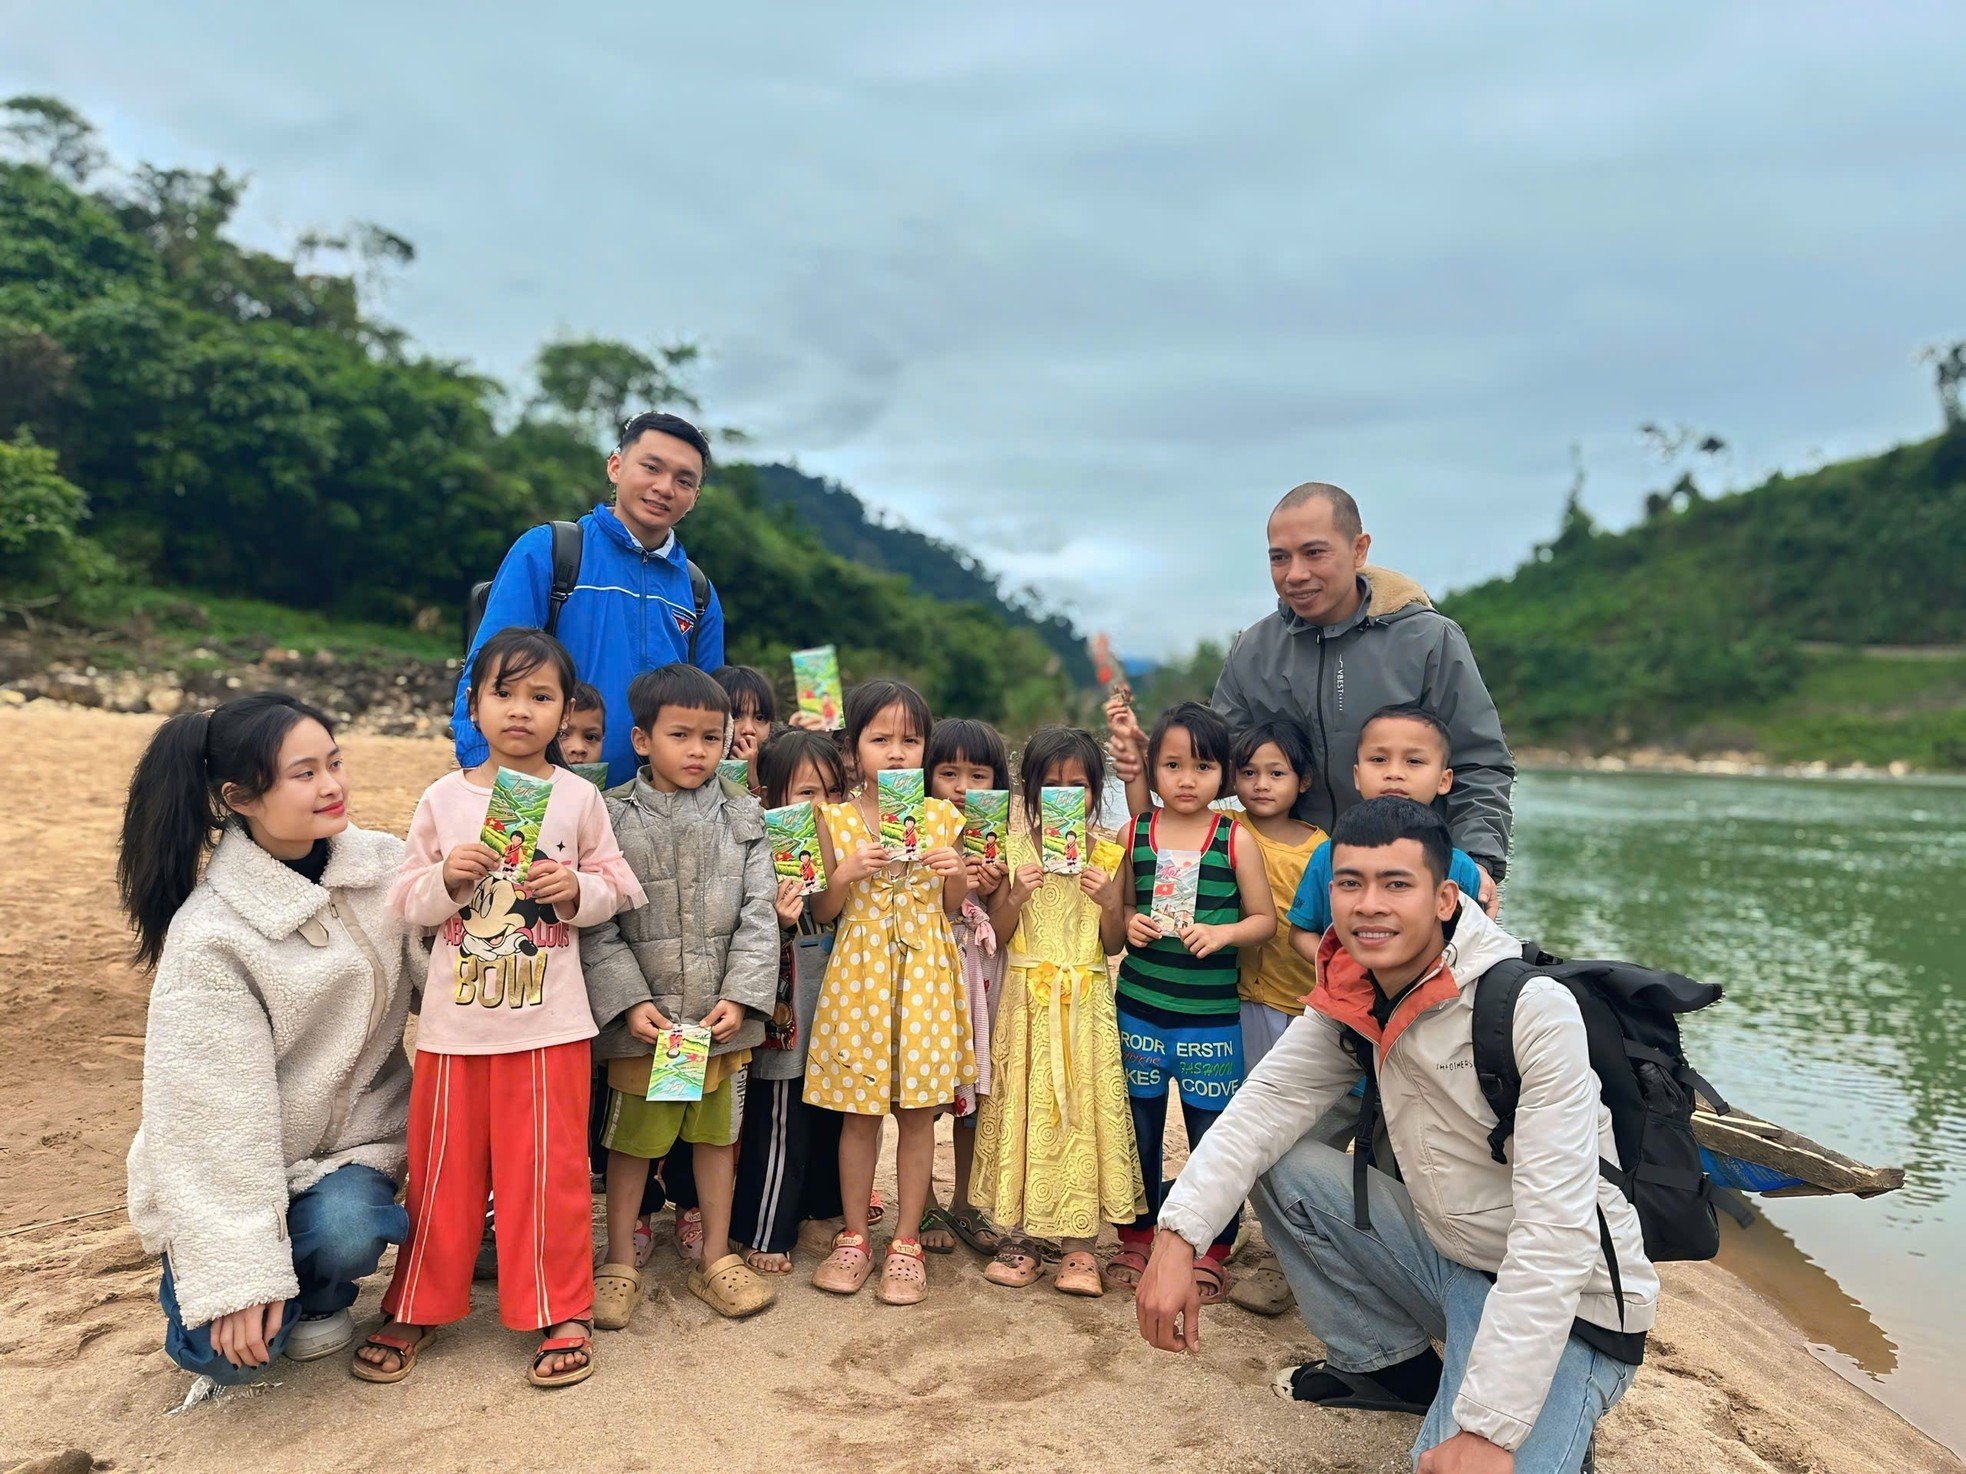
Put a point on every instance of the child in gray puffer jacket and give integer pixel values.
(703, 950)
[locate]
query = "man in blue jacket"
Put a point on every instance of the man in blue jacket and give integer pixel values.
(631, 609)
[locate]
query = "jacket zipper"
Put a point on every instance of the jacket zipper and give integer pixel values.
(378, 1000)
(1324, 741)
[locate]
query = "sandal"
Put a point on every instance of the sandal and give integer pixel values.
(405, 1352)
(936, 1220)
(876, 1209)
(1264, 1291)
(1078, 1274)
(1123, 1270)
(644, 1242)
(975, 1230)
(1017, 1264)
(689, 1234)
(904, 1276)
(731, 1288)
(845, 1270)
(755, 1258)
(1211, 1280)
(617, 1291)
(581, 1345)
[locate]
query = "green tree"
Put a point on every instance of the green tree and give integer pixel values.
(595, 384)
(43, 556)
(52, 134)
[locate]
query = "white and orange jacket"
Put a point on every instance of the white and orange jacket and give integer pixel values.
(1530, 1222)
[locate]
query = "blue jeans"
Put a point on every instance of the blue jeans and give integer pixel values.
(1379, 1296)
(338, 1229)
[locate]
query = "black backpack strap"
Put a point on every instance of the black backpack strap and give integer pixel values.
(1360, 1049)
(566, 569)
(699, 594)
(1494, 1045)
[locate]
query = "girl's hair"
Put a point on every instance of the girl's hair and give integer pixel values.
(586, 698)
(750, 691)
(1289, 739)
(1207, 733)
(516, 652)
(1050, 746)
(966, 741)
(785, 752)
(868, 700)
(176, 806)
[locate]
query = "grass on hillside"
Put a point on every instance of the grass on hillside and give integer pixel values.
(171, 623)
(1854, 706)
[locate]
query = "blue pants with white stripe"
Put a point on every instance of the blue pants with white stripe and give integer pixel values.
(788, 1166)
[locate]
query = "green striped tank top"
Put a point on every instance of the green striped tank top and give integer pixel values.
(1164, 983)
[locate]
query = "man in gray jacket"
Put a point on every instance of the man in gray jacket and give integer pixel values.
(1340, 646)
(1502, 1262)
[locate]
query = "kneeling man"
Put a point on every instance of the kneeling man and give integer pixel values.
(1504, 1264)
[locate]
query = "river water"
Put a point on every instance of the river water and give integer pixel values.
(1834, 913)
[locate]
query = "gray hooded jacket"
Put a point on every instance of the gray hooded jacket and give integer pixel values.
(709, 930)
(1396, 649)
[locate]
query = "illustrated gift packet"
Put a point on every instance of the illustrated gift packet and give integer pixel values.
(1177, 881)
(793, 834)
(682, 1055)
(986, 820)
(594, 773)
(512, 820)
(901, 792)
(816, 674)
(1062, 811)
(735, 770)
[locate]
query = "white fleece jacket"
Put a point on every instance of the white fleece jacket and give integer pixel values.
(1531, 1222)
(274, 1055)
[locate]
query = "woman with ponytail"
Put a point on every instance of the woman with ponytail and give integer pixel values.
(275, 1085)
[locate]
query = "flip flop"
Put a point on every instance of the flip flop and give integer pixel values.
(406, 1355)
(1263, 1291)
(1365, 1395)
(559, 1345)
(689, 1235)
(934, 1218)
(975, 1230)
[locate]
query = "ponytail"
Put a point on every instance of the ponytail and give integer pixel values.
(177, 807)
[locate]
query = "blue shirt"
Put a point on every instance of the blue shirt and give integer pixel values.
(630, 610)
(1311, 909)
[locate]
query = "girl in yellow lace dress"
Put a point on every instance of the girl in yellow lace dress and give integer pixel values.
(891, 1032)
(1054, 1147)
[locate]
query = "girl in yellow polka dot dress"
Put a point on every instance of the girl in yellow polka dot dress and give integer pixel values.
(891, 1034)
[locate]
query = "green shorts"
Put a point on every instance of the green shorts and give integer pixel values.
(651, 1128)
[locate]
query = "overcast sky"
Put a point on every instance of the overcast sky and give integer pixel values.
(1086, 287)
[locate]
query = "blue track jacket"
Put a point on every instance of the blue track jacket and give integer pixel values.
(629, 611)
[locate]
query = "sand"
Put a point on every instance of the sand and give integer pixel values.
(978, 1378)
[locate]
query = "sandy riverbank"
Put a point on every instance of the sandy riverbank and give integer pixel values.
(977, 1379)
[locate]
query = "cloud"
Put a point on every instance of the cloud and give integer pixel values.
(1084, 289)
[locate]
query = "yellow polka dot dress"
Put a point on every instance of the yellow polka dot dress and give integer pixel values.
(892, 1027)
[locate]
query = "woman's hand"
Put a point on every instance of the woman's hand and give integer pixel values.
(1201, 940)
(868, 859)
(646, 1023)
(245, 1337)
(552, 884)
(943, 861)
(790, 902)
(1142, 930)
(722, 1020)
(466, 865)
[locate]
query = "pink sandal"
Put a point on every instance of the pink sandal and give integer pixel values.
(845, 1270)
(904, 1275)
(689, 1234)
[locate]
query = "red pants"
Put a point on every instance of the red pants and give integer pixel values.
(516, 1124)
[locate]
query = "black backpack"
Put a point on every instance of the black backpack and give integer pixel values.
(1631, 1025)
(566, 573)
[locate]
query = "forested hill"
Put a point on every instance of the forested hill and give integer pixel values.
(181, 411)
(842, 522)
(1812, 616)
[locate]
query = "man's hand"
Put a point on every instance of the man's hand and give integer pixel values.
(1167, 1300)
(1489, 898)
(646, 1023)
(1142, 930)
(245, 1337)
(1128, 765)
(466, 865)
(1466, 1453)
(553, 884)
(722, 1021)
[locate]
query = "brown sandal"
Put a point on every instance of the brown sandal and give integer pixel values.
(1017, 1264)
(1123, 1270)
(1211, 1280)
(845, 1270)
(1078, 1274)
(582, 1345)
(904, 1277)
(404, 1350)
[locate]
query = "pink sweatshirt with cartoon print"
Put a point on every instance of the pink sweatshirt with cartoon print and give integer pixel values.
(505, 970)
